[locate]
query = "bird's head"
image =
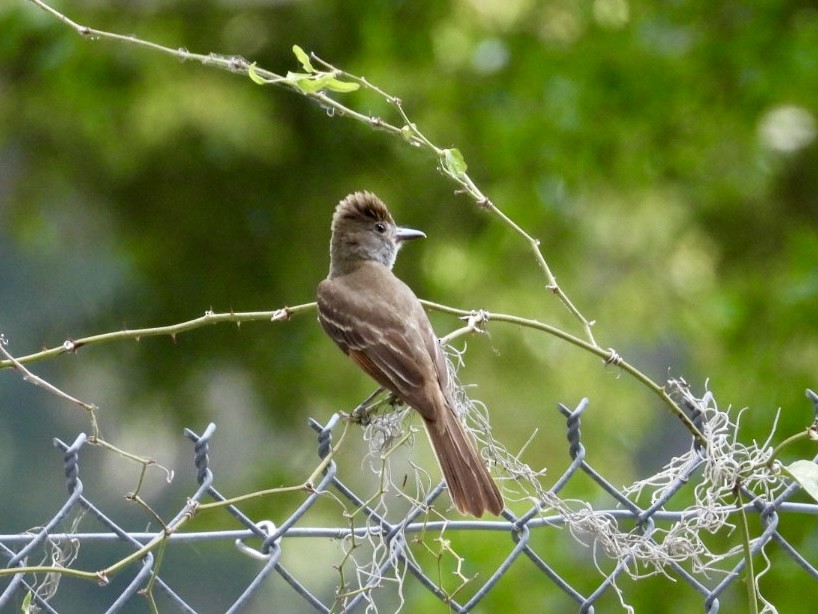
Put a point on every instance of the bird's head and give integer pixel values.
(363, 230)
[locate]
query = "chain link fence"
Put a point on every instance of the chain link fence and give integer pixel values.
(391, 568)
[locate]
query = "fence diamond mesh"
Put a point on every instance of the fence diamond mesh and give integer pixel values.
(382, 557)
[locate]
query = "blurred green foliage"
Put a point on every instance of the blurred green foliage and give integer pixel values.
(664, 153)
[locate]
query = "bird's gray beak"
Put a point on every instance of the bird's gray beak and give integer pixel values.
(407, 234)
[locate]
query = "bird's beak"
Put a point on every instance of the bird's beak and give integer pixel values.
(407, 234)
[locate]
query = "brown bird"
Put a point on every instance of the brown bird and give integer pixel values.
(379, 323)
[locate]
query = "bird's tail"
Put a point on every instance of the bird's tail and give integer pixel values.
(470, 485)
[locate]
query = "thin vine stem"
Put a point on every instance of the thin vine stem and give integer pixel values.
(71, 346)
(409, 131)
(450, 163)
(476, 319)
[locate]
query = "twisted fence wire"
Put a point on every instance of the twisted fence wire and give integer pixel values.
(392, 539)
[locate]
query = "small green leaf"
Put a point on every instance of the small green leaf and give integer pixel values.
(26, 605)
(254, 76)
(806, 474)
(303, 58)
(301, 80)
(309, 84)
(342, 86)
(454, 163)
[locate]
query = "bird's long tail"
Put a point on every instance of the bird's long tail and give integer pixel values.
(471, 487)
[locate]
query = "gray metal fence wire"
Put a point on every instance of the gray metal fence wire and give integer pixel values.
(17, 548)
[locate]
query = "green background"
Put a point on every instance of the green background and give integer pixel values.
(663, 153)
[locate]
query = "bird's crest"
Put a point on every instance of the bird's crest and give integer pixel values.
(362, 205)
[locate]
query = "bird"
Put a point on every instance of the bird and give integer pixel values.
(378, 322)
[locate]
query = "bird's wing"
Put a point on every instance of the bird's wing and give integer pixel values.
(393, 345)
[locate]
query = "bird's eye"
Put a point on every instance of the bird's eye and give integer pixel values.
(380, 227)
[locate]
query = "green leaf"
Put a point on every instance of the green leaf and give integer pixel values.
(254, 76)
(806, 474)
(336, 85)
(309, 84)
(303, 58)
(454, 163)
(26, 605)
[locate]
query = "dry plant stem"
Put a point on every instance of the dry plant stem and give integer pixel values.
(377, 495)
(249, 496)
(230, 63)
(209, 318)
(409, 132)
(161, 538)
(148, 590)
(28, 376)
(417, 138)
(145, 506)
(285, 313)
(592, 348)
(46, 569)
(234, 64)
(308, 486)
(328, 458)
(534, 245)
(95, 438)
(103, 575)
(138, 554)
(142, 460)
(398, 443)
(38, 381)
